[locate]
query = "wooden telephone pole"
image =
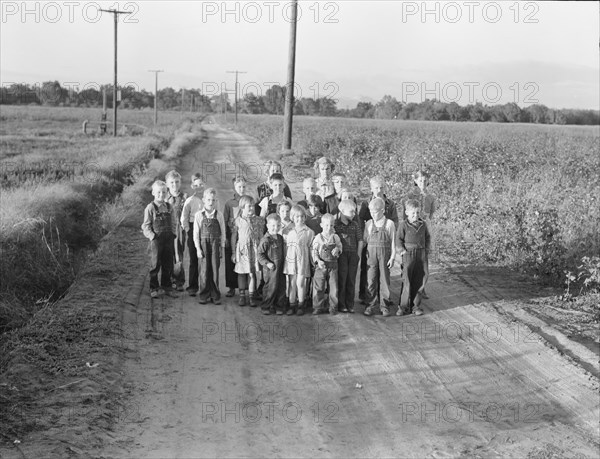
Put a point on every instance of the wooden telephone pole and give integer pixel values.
(236, 91)
(289, 92)
(156, 72)
(116, 16)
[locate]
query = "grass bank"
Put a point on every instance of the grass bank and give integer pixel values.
(62, 191)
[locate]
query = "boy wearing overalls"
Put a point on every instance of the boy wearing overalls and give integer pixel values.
(326, 249)
(159, 229)
(379, 237)
(271, 256)
(209, 239)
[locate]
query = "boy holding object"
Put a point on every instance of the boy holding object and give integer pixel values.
(326, 249)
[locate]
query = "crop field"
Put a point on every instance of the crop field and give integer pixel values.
(521, 196)
(60, 192)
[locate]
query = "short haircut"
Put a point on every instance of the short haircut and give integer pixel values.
(284, 203)
(328, 218)
(195, 177)
(297, 210)
(172, 175)
(276, 176)
(157, 185)
(421, 173)
(323, 160)
(377, 204)
(209, 192)
(346, 204)
(338, 174)
(412, 204)
(314, 200)
(245, 200)
(348, 192)
(272, 162)
(273, 218)
(377, 179)
(307, 181)
(238, 179)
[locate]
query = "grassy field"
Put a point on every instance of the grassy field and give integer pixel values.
(61, 191)
(520, 195)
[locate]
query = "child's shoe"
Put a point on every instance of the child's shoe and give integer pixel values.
(417, 311)
(230, 293)
(369, 311)
(266, 312)
(279, 312)
(154, 294)
(300, 310)
(400, 311)
(292, 309)
(242, 301)
(385, 312)
(202, 300)
(252, 300)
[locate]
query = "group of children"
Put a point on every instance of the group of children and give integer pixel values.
(291, 258)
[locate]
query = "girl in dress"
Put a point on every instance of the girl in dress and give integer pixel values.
(297, 261)
(246, 232)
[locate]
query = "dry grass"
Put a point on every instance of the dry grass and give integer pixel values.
(61, 193)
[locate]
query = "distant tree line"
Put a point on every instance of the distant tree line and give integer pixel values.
(51, 93)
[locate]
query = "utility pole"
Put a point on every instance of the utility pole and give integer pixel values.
(156, 72)
(116, 16)
(236, 91)
(289, 93)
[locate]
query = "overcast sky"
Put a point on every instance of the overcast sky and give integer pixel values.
(491, 52)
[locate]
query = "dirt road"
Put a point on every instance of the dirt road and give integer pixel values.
(465, 379)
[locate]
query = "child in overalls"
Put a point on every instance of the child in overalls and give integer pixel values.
(326, 249)
(159, 229)
(390, 212)
(414, 241)
(209, 239)
(271, 256)
(348, 229)
(380, 239)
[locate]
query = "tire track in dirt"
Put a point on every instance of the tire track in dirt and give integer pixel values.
(460, 380)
